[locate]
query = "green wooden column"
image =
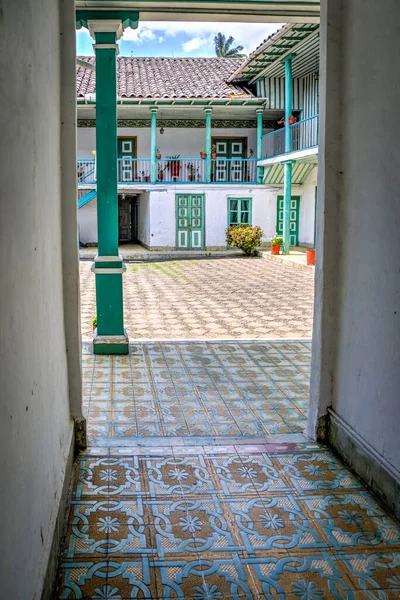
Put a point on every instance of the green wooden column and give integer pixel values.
(287, 190)
(110, 336)
(260, 170)
(153, 145)
(208, 144)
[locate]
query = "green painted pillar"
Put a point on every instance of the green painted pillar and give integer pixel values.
(287, 195)
(260, 170)
(153, 145)
(110, 336)
(208, 144)
(287, 190)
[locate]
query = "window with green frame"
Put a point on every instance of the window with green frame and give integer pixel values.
(239, 211)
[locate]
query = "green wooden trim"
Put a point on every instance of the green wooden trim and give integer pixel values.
(297, 198)
(203, 213)
(129, 18)
(153, 146)
(184, 123)
(208, 146)
(111, 348)
(315, 214)
(239, 200)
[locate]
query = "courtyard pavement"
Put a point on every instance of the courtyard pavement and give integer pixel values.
(209, 299)
(186, 389)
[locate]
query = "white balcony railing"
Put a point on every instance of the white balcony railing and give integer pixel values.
(179, 170)
(303, 136)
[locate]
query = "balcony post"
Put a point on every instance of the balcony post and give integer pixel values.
(110, 336)
(260, 170)
(208, 144)
(287, 190)
(153, 145)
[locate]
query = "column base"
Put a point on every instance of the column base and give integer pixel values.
(110, 344)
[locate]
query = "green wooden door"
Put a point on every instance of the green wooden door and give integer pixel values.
(126, 152)
(190, 221)
(229, 170)
(294, 218)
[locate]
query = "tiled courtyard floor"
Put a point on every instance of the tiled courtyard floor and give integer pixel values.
(273, 522)
(213, 388)
(209, 299)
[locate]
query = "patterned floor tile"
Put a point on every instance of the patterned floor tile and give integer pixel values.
(238, 523)
(232, 388)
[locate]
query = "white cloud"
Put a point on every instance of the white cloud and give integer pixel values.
(194, 44)
(201, 35)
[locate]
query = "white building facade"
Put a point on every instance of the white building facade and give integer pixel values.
(171, 198)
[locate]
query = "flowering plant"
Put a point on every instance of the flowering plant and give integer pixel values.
(244, 237)
(277, 239)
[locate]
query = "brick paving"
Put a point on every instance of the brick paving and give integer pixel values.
(209, 299)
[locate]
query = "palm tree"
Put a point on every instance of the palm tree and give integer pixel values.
(223, 47)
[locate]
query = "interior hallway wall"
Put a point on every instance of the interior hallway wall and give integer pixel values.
(36, 428)
(356, 355)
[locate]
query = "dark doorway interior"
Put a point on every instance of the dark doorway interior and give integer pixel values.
(127, 218)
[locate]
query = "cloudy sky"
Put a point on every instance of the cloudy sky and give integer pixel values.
(181, 39)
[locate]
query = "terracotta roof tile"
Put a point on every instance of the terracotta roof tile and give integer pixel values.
(167, 78)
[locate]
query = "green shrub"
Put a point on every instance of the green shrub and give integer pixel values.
(94, 322)
(244, 237)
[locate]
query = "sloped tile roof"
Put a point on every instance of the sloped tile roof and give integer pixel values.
(167, 78)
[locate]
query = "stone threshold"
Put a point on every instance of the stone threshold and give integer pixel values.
(297, 259)
(158, 256)
(197, 444)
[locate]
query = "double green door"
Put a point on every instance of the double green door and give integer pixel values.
(229, 164)
(294, 218)
(190, 221)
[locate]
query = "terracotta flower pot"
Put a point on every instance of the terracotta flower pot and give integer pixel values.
(292, 121)
(213, 156)
(175, 169)
(203, 155)
(310, 255)
(158, 155)
(275, 248)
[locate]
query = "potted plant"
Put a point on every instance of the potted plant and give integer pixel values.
(174, 165)
(158, 153)
(276, 243)
(213, 151)
(310, 256)
(94, 323)
(160, 173)
(193, 172)
(145, 176)
(292, 120)
(203, 153)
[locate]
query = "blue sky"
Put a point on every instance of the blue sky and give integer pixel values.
(181, 39)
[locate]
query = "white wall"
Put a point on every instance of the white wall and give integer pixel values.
(144, 218)
(356, 354)
(187, 142)
(87, 217)
(158, 208)
(306, 191)
(36, 428)
(156, 213)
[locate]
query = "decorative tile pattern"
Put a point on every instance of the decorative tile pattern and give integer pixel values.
(213, 388)
(209, 299)
(235, 523)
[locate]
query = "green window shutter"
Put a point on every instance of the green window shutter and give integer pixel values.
(239, 211)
